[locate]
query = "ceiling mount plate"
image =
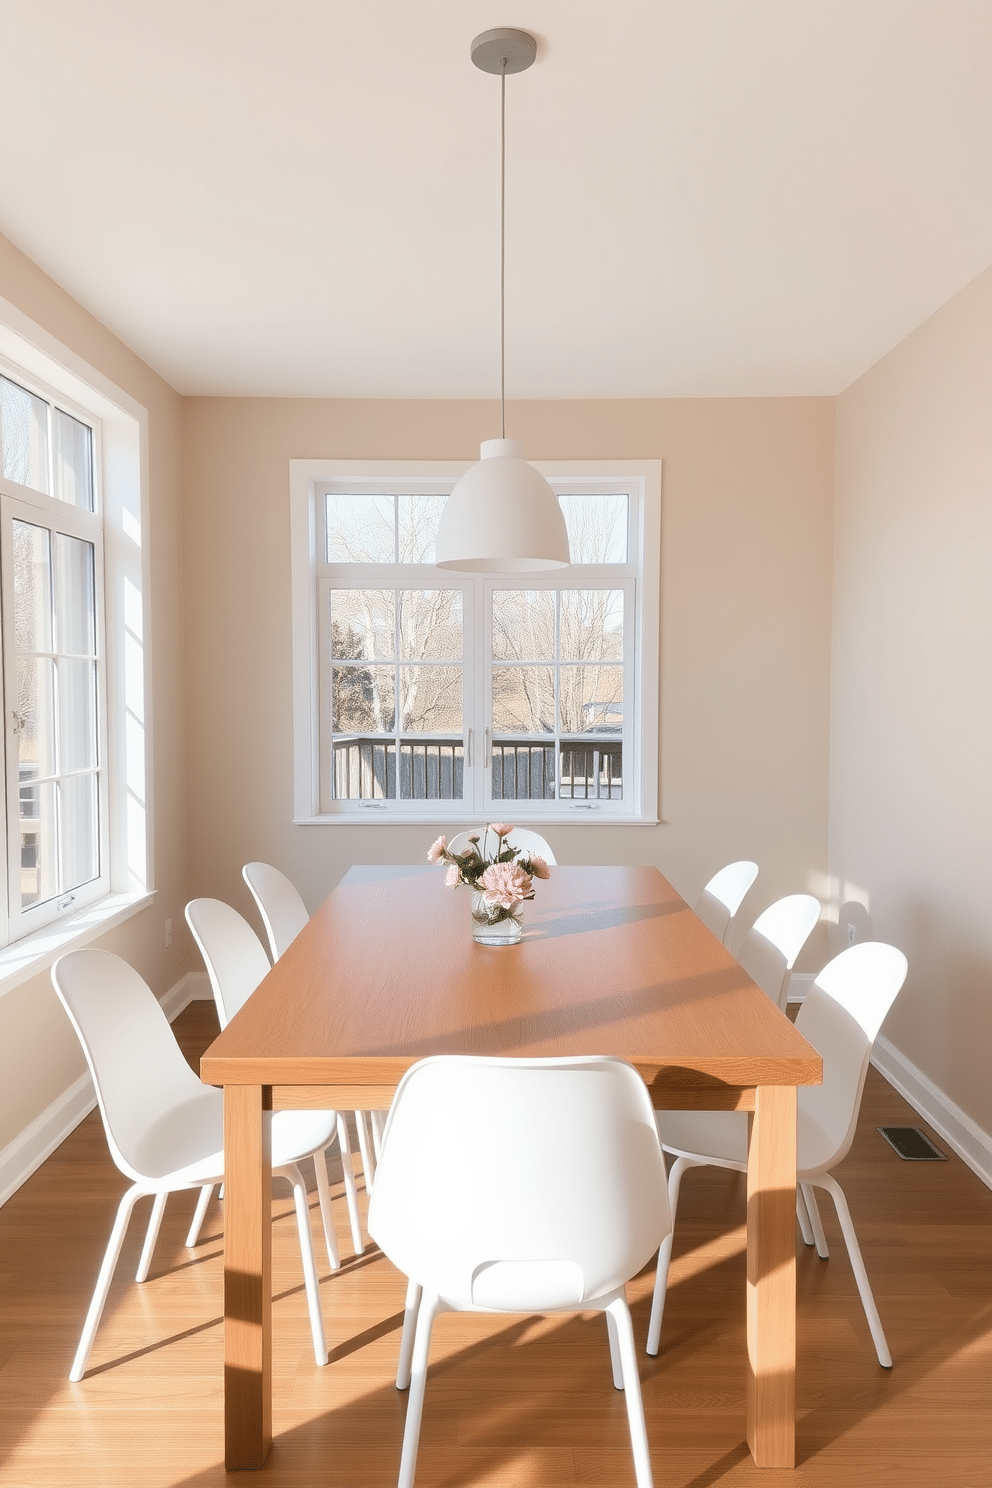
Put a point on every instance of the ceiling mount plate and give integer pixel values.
(504, 50)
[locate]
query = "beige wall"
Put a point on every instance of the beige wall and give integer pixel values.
(911, 769)
(39, 1055)
(748, 487)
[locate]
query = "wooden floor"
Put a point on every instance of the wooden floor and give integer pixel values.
(518, 1402)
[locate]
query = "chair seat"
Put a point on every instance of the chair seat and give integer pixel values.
(297, 1132)
(720, 1136)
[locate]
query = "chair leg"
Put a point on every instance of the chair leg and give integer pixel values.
(816, 1222)
(377, 1127)
(326, 1212)
(615, 1360)
(350, 1191)
(430, 1306)
(368, 1161)
(199, 1215)
(675, 1181)
(802, 1214)
(151, 1235)
(413, 1294)
(858, 1267)
(293, 1175)
(620, 1314)
(660, 1289)
(110, 1258)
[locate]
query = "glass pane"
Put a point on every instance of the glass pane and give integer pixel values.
(73, 446)
(363, 699)
(418, 522)
(592, 771)
(431, 770)
(591, 699)
(80, 831)
(24, 421)
(597, 527)
(431, 700)
(360, 529)
(75, 603)
(430, 624)
(38, 861)
(32, 588)
(363, 769)
(523, 624)
(591, 625)
(523, 700)
(77, 715)
(523, 772)
(36, 713)
(362, 624)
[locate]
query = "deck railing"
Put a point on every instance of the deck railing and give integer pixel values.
(365, 769)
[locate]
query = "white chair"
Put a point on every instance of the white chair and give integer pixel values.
(720, 900)
(771, 946)
(236, 962)
(284, 914)
(522, 837)
(165, 1129)
(548, 1196)
(840, 1017)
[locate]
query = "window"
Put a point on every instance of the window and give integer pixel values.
(424, 694)
(72, 839)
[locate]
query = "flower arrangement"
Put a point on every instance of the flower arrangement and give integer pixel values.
(501, 877)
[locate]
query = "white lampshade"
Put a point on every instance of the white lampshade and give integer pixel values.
(502, 517)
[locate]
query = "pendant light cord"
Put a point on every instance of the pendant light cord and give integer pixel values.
(502, 251)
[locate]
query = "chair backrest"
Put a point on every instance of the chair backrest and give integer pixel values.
(520, 1183)
(522, 837)
(721, 898)
(235, 957)
(840, 1016)
(774, 941)
(138, 1069)
(283, 912)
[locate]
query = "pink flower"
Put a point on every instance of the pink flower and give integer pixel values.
(502, 829)
(539, 867)
(506, 884)
(436, 849)
(453, 876)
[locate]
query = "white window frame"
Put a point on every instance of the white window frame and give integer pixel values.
(309, 479)
(32, 357)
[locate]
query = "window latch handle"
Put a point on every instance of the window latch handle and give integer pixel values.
(468, 750)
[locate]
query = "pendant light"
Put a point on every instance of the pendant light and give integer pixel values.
(502, 516)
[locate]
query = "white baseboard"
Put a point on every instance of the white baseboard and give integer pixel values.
(21, 1157)
(193, 987)
(799, 984)
(958, 1130)
(29, 1149)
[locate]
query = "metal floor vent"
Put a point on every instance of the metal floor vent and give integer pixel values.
(912, 1144)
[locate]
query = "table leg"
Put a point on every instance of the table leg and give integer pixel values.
(771, 1277)
(247, 1275)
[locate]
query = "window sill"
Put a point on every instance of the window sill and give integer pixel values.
(25, 958)
(459, 818)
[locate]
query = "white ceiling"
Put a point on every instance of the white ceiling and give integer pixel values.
(301, 196)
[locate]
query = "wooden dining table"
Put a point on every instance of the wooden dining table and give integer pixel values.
(612, 961)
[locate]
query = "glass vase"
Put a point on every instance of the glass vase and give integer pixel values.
(493, 925)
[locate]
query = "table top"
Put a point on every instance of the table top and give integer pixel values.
(612, 961)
